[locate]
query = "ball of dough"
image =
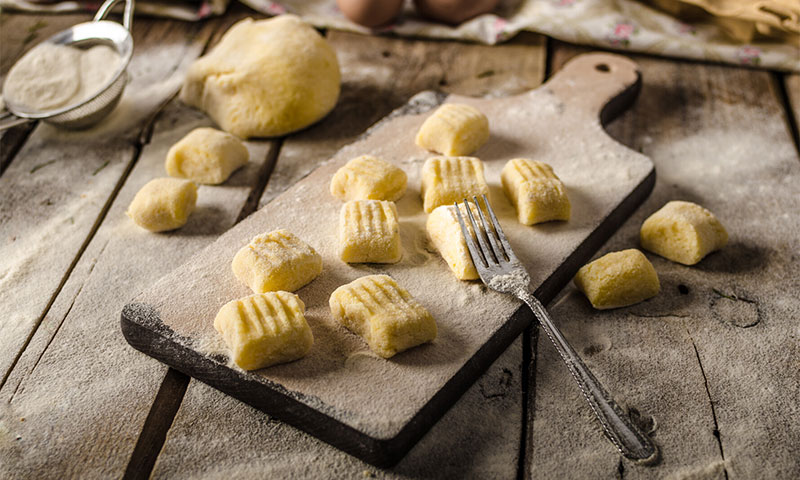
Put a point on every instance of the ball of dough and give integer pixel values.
(265, 78)
(163, 204)
(683, 232)
(206, 155)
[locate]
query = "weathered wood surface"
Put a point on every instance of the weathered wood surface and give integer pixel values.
(77, 377)
(57, 188)
(104, 388)
(376, 84)
(710, 364)
(76, 401)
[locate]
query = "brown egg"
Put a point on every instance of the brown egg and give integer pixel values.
(454, 11)
(370, 13)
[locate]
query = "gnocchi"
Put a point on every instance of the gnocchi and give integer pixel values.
(383, 313)
(264, 329)
(277, 260)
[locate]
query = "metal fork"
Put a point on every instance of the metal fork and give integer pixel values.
(500, 270)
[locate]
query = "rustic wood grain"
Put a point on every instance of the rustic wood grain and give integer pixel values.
(379, 76)
(58, 187)
(104, 388)
(708, 364)
(84, 313)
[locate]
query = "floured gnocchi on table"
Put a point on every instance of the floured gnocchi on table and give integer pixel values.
(277, 260)
(369, 232)
(163, 204)
(683, 232)
(206, 155)
(445, 234)
(454, 129)
(369, 178)
(265, 329)
(618, 279)
(383, 313)
(535, 191)
(446, 180)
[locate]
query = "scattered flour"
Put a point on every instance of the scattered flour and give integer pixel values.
(336, 377)
(52, 76)
(510, 281)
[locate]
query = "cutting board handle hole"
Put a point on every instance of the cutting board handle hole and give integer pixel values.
(602, 67)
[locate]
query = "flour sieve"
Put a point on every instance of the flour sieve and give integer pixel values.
(85, 35)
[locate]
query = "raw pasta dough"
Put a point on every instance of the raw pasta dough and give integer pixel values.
(265, 78)
(206, 155)
(163, 204)
(618, 279)
(383, 313)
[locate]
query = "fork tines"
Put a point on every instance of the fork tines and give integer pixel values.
(492, 248)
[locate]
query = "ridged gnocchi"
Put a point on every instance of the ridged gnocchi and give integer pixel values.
(383, 313)
(369, 232)
(445, 234)
(535, 191)
(265, 329)
(446, 180)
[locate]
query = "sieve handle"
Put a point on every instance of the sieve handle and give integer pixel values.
(108, 5)
(9, 120)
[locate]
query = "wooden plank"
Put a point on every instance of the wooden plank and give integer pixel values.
(60, 183)
(380, 75)
(118, 261)
(709, 364)
(216, 435)
(104, 388)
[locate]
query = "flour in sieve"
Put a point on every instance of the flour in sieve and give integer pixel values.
(54, 76)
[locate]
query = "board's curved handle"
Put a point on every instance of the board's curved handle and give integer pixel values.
(600, 83)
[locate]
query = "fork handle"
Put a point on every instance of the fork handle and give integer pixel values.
(628, 439)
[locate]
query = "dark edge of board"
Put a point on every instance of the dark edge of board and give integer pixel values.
(148, 334)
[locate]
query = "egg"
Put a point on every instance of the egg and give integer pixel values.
(454, 11)
(370, 13)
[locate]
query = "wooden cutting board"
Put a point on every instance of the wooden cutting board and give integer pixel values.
(373, 408)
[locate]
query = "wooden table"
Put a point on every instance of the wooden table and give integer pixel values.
(711, 365)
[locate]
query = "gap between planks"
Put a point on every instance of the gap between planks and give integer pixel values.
(787, 86)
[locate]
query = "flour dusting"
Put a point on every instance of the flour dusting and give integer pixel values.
(339, 377)
(50, 76)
